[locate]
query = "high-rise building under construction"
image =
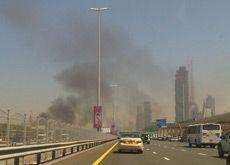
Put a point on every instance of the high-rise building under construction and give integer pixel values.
(209, 107)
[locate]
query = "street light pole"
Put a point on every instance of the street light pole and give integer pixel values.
(98, 10)
(24, 137)
(8, 128)
(99, 62)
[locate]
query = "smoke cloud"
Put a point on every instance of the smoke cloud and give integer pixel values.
(23, 14)
(74, 40)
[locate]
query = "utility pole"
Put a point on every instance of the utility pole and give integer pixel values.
(24, 139)
(8, 128)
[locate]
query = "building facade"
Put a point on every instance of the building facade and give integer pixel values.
(182, 95)
(209, 107)
(147, 114)
(139, 119)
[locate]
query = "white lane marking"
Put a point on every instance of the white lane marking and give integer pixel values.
(147, 149)
(166, 158)
(154, 153)
(183, 150)
(173, 148)
(201, 154)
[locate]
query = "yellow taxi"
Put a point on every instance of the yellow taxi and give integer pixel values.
(130, 141)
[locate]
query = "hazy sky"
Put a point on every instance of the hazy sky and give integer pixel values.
(172, 31)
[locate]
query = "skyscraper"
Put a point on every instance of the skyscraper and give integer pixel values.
(147, 113)
(139, 119)
(209, 107)
(182, 94)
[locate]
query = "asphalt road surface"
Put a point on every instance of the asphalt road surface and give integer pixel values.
(158, 153)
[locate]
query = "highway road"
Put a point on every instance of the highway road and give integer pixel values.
(158, 153)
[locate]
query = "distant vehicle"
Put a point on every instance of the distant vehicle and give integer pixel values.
(204, 134)
(145, 138)
(169, 137)
(224, 145)
(130, 141)
(154, 138)
(164, 138)
(174, 139)
(159, 138)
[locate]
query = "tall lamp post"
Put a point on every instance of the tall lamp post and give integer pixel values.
(98, 10)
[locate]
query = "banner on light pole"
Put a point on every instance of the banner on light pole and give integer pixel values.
(97, 123)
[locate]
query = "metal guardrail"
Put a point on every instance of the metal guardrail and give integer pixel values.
(18, 157)
(17, 149)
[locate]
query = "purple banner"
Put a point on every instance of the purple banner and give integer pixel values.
(97, 117)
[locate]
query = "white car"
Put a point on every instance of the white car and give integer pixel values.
(130, 141)
(174, 139)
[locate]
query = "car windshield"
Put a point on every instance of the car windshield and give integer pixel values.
(130, 135)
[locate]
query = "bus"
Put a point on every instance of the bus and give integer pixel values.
(204, 134)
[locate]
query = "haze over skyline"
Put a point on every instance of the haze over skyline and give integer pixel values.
(172, 32)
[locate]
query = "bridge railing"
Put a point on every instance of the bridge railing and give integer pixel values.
(38, 156)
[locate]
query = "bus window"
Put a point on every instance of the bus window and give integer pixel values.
(211, 127)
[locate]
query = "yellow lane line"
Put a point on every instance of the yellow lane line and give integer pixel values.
(104, 155)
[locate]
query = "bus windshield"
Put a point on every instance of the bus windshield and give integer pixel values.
(211, 127)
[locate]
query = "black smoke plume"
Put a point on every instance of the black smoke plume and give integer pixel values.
(62, 110)
(73, 40)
